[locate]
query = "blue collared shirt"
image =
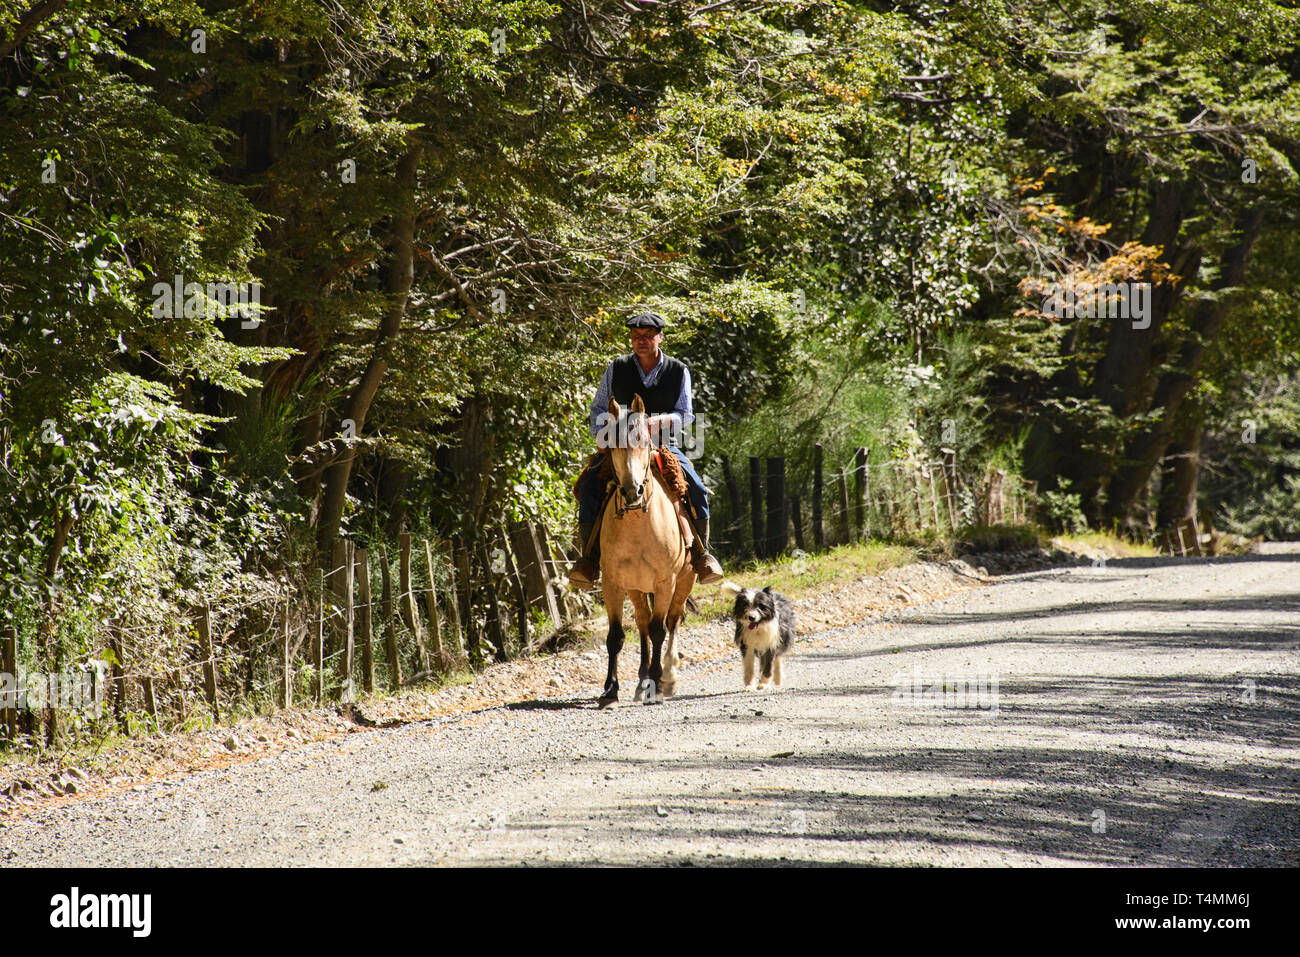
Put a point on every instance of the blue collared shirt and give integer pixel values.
(681, 415)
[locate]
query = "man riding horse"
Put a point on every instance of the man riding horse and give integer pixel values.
(664, 385)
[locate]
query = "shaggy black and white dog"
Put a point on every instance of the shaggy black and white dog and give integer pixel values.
(764, 629)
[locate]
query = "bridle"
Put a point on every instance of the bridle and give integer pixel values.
(622, 507)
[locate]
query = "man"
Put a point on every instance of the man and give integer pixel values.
(664, 385)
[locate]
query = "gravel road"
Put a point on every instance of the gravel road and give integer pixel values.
(1145, 713)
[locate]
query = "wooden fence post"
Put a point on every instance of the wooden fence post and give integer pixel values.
(366, 622)
(533, 568)
(950, 483)
(897, 501)
(904, 499)
(860, 492)
(455, 629)
(465, 596)
(777, 532)
(735, 527)
(286, 665)
(209, 659)
(572, 603)
(819, 537)
(516, 582)
(431, 605)
(915, 483)
(150, 702)
(406, 601)
(496, 634)
(9, 666)
(347, 647)
(334, 577)
(182, 706)
(390, 622)
(119, 677)
(756, 506)
(318, 646)
(845, 534)
(796, 519)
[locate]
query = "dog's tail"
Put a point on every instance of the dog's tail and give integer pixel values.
(731, 589)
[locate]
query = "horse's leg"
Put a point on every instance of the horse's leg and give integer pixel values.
(767, 670)
(613, 642)
(641, 605)
(662, 601)
(671, 659)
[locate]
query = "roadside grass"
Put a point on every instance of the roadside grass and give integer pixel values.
(1108, 543)
(798, 575)
(998, 538)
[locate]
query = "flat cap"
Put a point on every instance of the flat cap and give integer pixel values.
(646, 320)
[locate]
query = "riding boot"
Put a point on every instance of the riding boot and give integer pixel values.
(707, 569)
(586, 570)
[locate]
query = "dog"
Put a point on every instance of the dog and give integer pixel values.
(764, 630)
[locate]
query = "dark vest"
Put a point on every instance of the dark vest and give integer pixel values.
(661, 396)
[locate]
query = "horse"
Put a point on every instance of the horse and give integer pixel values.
(643, 556)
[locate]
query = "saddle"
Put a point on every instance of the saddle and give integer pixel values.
(661, 460)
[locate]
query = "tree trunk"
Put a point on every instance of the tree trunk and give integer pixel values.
(1182, 470)
(401, 273)
(1145, 450)
(1123, 379)
(472, 459)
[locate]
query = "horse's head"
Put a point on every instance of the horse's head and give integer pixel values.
(630, 453)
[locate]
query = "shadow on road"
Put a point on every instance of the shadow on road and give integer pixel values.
(1160, 769)
(1149, 796)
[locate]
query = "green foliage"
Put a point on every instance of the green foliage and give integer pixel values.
(1000, 538)
(848, 213)
(1063, 512)
(1253, 442)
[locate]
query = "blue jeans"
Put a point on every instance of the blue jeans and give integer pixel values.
(590, 492)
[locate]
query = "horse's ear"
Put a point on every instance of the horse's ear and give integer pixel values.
(637, 404)
(614, 410)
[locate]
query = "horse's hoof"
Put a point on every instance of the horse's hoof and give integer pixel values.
(605, 703)
(668, 689)
(645, 691)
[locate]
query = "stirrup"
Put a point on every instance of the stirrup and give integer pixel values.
(585, 573)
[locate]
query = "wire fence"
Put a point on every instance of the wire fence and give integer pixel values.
(438, 608)
(862, 499)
